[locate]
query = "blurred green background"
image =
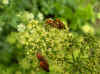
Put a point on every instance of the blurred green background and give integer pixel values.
(81, 17)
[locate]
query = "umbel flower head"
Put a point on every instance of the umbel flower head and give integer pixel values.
(55, 43)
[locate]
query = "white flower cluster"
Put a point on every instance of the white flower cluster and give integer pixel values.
(29, 16)
(21, 27)
(26, 16)
(40, 16)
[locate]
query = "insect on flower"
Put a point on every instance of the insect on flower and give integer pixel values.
(43, 63)
(55, 23)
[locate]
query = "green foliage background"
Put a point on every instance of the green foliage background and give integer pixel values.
(23, 32)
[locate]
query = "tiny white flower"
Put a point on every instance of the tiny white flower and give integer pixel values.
(40, 16)
(29, 16)
(21, 27)
(32, 31)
